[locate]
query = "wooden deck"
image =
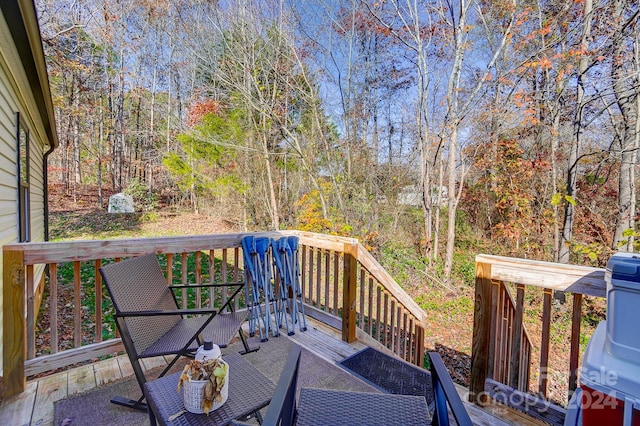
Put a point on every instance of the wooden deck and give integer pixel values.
(35, 406)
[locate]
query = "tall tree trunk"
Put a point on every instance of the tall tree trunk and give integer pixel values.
(77, 177)
(453, 201)
(99, 152)
(574, 155)
(451, 131)
(427, 212)
(275, 216)
(554, 186)
(120, 126)
(626, 93)
(438, 208)
(169, 87)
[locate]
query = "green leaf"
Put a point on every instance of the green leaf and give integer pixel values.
(570, 200)
(555, 200)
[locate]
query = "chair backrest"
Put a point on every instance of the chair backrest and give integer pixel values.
(138, 284)
(282, 409)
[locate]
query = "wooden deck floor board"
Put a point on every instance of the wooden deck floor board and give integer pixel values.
(322, 345)
(81, 379)
(125, 366)
(50, 390)
(149, 363)
(18, 409)
(107, 371)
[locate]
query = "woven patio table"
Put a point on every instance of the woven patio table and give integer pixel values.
(249, 391)
(333, 407)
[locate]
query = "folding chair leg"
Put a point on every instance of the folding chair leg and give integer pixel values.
(246, 345)
(301, 312)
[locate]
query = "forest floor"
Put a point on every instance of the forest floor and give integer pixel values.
(450, 310)
(82, 218)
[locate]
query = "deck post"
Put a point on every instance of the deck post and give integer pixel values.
(14, 323)
(349, 284)
(576, 319)
(481, 334)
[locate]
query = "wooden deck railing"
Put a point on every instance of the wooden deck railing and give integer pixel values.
(498, 369)
(343, 285)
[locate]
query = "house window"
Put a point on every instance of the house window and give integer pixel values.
(23, 182)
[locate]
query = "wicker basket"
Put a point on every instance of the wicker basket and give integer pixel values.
(194, 394)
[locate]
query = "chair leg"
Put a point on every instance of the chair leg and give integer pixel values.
(130, 403)
(245, 344)
(152, 418)
(259, 417)
(137, 369)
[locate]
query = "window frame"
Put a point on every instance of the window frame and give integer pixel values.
(23, 142)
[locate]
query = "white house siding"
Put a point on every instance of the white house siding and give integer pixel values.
(37, 192)
(16, 96)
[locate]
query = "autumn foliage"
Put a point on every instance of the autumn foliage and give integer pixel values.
(201, 108)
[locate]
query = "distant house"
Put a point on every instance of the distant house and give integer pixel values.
(411, 195)
(27, 129)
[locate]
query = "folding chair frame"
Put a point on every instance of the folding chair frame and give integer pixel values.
(187, 348)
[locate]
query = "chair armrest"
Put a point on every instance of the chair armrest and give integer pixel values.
(444, 391)
(173, 312)
(229, 284)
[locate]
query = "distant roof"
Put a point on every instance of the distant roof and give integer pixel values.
(22, 21)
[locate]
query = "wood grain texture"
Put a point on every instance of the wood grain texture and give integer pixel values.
(50, 390)
(15, 409)
(81, 379)
(350, 277)
(14, 336)
(107, 372)
(53, 307)
(535, 407)
(516, 337)
(481, 333)
(61, 359)
(544, 344)
(576, 319)
(31, 313)
(554, 276)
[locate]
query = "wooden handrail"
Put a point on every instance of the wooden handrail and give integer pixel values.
(554, 276)
(493, 274)
(372, 265)
(387, 314)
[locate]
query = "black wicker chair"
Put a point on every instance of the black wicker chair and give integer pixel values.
(337, 407)
(282, 409)
(151, 323)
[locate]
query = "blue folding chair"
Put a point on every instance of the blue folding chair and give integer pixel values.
(285, 254)
(257, 259)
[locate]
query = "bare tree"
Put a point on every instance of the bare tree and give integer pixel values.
(574, 153)
(625, 75)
